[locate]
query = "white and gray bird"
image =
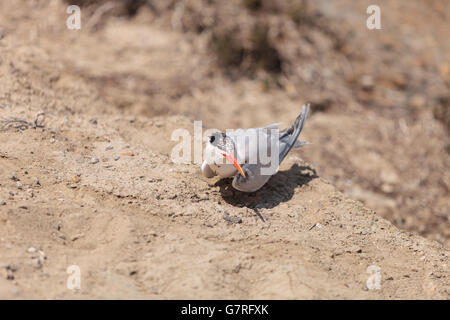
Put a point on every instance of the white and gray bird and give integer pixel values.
(240, 155)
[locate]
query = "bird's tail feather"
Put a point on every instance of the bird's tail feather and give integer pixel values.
(291, 134)
(299, 144)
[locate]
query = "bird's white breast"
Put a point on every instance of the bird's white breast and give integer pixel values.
(218, 163)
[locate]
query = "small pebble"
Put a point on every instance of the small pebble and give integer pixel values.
(2, 203)
(78, 236)
(127, 153)
(56, 226)
(37, 263)
(31, 250)
(94, 160)
(109, 147)
(116, 158)
(61, 236)
(30, 192)
(12, 267)
(231, 219)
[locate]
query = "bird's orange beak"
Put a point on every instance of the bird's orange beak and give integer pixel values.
(233, 160)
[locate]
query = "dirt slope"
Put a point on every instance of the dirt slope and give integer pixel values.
(144, 227)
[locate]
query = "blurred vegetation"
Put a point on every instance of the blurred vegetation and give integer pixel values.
(253, 5)
(298, 12)
(123, 7)
(263, 54)
(228, 49)
(232, 53)
(441, 111)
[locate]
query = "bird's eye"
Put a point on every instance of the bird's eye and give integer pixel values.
(211, 139)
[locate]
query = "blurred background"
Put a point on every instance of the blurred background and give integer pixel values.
(380, 98)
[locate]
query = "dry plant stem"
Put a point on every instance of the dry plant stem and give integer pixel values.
(21, 124)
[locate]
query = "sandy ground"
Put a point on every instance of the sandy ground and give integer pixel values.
(91, 183)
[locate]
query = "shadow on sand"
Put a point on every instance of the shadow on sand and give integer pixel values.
(280, 188)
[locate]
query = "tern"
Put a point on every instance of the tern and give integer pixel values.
(243, 153)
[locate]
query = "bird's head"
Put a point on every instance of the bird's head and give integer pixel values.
(221, 146)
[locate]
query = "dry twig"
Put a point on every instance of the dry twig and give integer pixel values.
(21, 124)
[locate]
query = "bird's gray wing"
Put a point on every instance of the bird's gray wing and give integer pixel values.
(272, 126)
(254, 180)
(246, 141)
(257, 171)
